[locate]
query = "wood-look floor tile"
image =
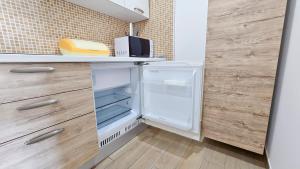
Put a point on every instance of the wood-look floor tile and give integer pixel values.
(174, 154)
(194, 158)
(130, 155)
(154, 153)
(157, 149)
(105, 163)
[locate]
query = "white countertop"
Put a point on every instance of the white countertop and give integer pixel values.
(22, 58)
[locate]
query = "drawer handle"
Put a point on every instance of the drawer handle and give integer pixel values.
(38, 104)
(32, 70)
(139, 10)
(44, 136)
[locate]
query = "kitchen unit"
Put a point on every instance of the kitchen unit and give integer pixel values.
(126, 10)
(70, 109)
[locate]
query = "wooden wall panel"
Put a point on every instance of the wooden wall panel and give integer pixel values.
(243, 43)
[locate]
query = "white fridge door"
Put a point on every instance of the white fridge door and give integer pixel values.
(171, 97)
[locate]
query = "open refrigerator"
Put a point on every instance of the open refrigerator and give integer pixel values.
(166, 95)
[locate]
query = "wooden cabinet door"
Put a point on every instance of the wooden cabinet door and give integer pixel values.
(243, 43)
(71, 145)
(16, 122)
(23, 81)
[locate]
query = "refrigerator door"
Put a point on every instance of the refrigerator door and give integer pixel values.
(171, 97)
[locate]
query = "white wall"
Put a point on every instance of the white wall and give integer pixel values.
(190, 29)
(283, 146)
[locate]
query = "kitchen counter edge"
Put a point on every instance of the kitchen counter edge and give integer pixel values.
(23, 58)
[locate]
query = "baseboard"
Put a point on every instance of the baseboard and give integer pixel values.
(267, 160)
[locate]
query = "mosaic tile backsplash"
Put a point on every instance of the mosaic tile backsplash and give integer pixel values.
(35, 26)
(159, 27)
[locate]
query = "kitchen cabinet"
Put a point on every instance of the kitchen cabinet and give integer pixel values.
(139, 6)
(47, 115)
(27, 116)
(68, 145)
(126, 10)
(16, 84)
(119, 2)
(243, 44)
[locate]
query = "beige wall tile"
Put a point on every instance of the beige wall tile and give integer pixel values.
(35, 26)
(159, 27)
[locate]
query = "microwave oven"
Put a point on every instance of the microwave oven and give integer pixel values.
(131, 46)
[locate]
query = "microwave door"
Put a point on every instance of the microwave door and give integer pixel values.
(139, 47)
(135, 47)
(145, 48)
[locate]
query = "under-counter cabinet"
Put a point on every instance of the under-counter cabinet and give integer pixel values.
(71, 115)
(47, 115)
(164, 95)
(126, 10)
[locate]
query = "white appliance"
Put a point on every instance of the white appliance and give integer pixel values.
(132, 46)
(167, 95)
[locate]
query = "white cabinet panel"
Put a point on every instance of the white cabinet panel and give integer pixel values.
(119, 2)
(118, 8)
(139, 6)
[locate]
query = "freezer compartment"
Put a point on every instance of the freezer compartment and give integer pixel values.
(104, 79)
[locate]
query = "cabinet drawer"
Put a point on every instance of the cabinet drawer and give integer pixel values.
(24, 81)
(70, 148)
(24, 117)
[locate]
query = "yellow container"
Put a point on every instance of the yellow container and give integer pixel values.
(82, 47)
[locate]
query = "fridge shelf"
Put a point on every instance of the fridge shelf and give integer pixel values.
(103, 101)
(111, 114)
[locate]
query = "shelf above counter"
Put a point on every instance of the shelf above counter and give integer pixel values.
(23, 58)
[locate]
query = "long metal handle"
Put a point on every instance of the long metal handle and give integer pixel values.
(194, 94)
(139, 10)
(44, 136)
(38, 104)
(32, 69)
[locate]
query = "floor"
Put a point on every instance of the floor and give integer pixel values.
(157, 149)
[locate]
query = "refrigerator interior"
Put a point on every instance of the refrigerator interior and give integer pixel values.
(117, 100)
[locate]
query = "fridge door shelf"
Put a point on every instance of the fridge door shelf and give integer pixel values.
(171, 97)
(175, 124)
(173, 91)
